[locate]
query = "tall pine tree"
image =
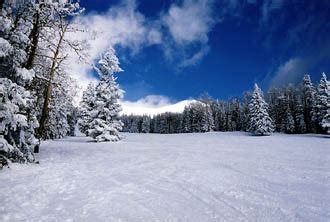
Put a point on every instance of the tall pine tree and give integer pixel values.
(321, 102)
(106, 124)
(260, 122)
(326, 118)
(86, 106)
(309, 103)
(17, 123)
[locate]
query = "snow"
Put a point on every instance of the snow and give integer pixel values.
(179, 177)
(5, 47)
(148, 106)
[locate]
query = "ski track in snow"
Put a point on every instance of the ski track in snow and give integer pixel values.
(180, 177)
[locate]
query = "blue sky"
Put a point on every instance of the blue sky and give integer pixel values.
(180, 49)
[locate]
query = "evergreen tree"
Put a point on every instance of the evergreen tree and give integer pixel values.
(186, 121)
(134, 125)
(289, 122)
(326, 118)
(245, 112)
(125, 120)
(300, 125)
(86, 106)
(260, 122)
(209, 117)
(72, 119)
(219, 114)
(321, 102)
(198, 116)
(145, 126)
(309, 103)
(106, 124)
(206, 99)
(17, 122)
(233, 115)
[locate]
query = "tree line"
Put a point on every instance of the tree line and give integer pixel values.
(292, 109)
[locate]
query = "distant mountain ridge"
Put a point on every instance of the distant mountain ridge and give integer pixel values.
(146, 109)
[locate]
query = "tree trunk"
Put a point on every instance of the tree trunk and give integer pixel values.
(34, 38)
(1, 4)
(36, 149)
(48, 93)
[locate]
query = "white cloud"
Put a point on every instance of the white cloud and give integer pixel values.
(267, 7)
(121, 25)
(153, 105)
(182, 27)
(189, 23)
(290, 72)
(154, 37)
(196, 57)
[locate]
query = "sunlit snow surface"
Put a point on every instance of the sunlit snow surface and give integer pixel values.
(187, 177)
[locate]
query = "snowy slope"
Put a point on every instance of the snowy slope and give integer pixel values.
(190, 177)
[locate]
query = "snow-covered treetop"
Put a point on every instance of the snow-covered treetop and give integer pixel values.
(61, 7)
(257, 99)
(108, 64)
(65, 8)
(257, 90)
(5, 47)
(307, 80)
(256, 87)
(323, 79)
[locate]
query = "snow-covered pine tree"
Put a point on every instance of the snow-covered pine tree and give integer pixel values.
(234, 119)
(294, 110)
(134, 125)
(106, 123)
(186, 121)
(209, 117)
(145, 126)
(195, 117)
(321, 108)
(245, 112)
(86, 106)
(17, 123)
(218, 108)
(72, 119)
(300, 124)
(176, 122)
(160, 124)
(125, 120)
(277, 106)
(289, 122)
(326, 118)
(206, 99)
(260, 122)
(309, 103)
(199, 117)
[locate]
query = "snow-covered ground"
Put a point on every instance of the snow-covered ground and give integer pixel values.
(187, 177)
